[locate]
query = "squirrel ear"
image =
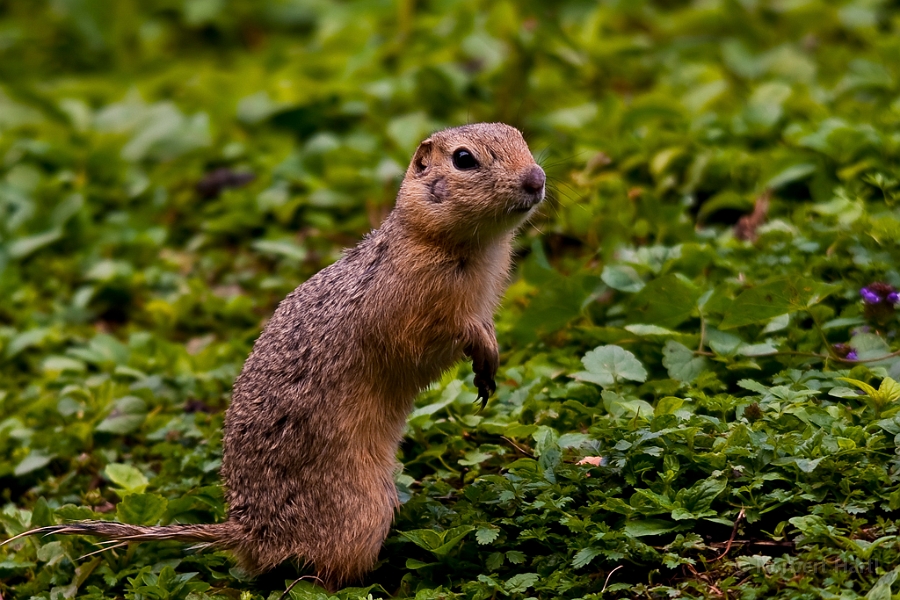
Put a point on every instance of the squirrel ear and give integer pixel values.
(422, 158)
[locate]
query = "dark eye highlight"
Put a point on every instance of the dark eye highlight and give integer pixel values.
(464, 160)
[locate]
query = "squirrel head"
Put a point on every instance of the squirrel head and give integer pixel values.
(471, 184)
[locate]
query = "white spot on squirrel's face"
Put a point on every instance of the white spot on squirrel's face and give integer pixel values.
(473, 182)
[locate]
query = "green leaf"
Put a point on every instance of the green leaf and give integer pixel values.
(451, 538)
(70, 512)
(285, 248)
(439, 544)
(585, 556)
(681, 363)
(882, 588)
(810, 525)
(622, 278)
(486, 535)
(127, 416)
(414, 564)
(889, 390)
(791, 174)
(753, 386)
(24, 247)
(621, 407)
(128, 478)
(34, 461)
(494, 561)
(141, 509)
(773, 299)
(668, 405)
(808, 465)
(608, 364)
(423, 538)
(42, 514)
(474, 458)
(649, 527)
(26, 339)
(519, 584)
(667, 301)
(865, 387)
(723, 343)
(51, 553)
(649, 330)
(682, 514)
(700, 496)
(758, 349)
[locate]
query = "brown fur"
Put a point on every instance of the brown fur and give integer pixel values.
(320, 407)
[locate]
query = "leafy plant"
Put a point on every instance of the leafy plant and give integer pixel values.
(698, 388)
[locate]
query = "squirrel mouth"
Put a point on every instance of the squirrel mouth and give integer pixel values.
(528, 201)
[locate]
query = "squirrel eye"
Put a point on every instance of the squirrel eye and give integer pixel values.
(464, 160)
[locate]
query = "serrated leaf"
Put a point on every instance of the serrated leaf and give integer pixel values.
(494, 561)
(70, 512)
(584, 556)
(519, 584)
(753, 386)
(486, 535)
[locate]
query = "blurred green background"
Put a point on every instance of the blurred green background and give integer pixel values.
(170, 169)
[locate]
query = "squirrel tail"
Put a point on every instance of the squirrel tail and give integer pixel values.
(217, 534)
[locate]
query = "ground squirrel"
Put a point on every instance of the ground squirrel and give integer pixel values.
(320, 406)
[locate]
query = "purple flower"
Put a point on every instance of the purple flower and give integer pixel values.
(869, 297)
(879, 302)
(878, 292)
(851, 355)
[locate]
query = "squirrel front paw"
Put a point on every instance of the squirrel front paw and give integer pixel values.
(485, 360)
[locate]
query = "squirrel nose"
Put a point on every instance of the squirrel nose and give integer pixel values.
(534, 180)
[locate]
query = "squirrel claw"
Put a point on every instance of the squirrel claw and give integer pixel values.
(486, 388)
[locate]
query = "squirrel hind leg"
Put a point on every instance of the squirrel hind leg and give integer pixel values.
(350, 558)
